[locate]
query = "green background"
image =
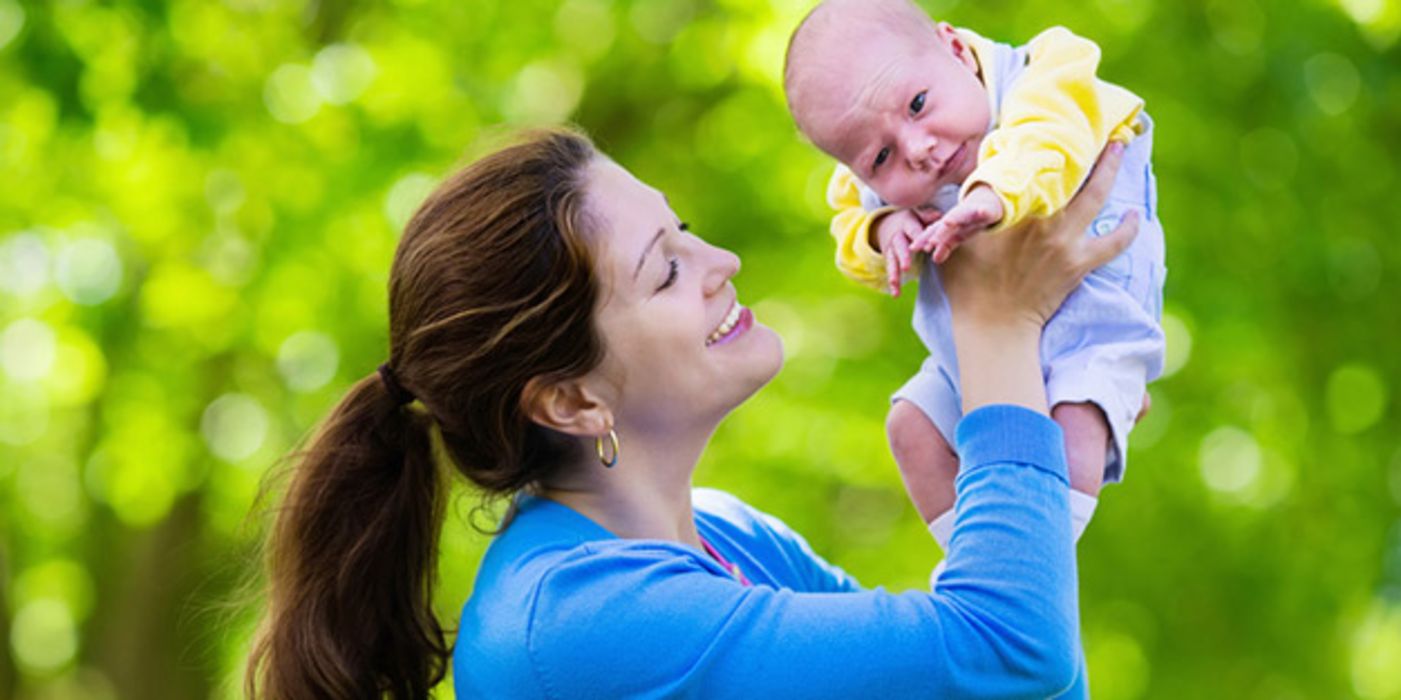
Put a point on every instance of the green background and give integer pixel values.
(199, 201)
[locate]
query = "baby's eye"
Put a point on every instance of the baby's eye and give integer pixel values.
(881, 157)
(917, 104)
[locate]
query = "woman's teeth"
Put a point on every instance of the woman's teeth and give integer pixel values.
(727, 325)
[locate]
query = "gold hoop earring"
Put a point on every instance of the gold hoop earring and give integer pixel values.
(598, 445)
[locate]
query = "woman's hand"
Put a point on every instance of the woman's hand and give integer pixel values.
(1002, 289)
(1023, 274)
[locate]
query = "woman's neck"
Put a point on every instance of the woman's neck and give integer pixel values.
(647, 495)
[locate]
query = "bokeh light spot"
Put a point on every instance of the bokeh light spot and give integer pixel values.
(545, 92)
(1363, 11)
(27, 350)
(342, 72)
(404, 197)
(62, 579)
(1229, 460)
(11, 21)
(88, 271)
(234, 426)
(1356, 398)
(1120, 668)
(307, 360)
(1376, 653)
(586, 26)
(1179, 343)
(80, 369)
(24, 264)
(43, 635)
(289, 94)
(1332, 82)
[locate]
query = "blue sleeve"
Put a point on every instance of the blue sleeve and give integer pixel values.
(638, 621)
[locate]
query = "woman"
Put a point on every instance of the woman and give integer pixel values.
(569, 343)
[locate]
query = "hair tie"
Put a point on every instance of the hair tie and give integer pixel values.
(397, 392)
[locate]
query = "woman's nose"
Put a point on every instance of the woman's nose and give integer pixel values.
(721, 265)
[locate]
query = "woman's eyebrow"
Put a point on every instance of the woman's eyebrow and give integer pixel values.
(643, 258)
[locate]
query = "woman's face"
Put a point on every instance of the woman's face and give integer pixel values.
(681, 349)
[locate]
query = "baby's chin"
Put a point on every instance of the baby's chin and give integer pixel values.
(917, 199)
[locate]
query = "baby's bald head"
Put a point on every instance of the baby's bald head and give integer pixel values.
(828, 40)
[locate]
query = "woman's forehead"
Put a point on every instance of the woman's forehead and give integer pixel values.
(631, 210)
(630, 214)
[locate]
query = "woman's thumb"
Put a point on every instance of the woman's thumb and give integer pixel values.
(1105, 248)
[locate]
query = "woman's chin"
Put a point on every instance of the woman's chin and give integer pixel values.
(753, 365)
(767, 355)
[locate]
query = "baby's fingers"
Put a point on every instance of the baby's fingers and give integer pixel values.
(901, 246)
(943, 250)
(961, 216)
(892, 271)
(925, 239)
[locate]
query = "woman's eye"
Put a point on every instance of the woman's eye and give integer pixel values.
(882, 156)
(917, 104)
(672, 266)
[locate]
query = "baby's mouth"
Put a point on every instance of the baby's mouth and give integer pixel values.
(949, 162)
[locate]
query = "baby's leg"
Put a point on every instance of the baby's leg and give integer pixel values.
(927, 463)
(1086, 446)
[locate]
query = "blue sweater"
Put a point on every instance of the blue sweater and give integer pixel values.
(564, 609)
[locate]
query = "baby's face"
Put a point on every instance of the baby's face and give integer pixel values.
(907, 122)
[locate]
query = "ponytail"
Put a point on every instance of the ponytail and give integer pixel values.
(492, 285)
(351, 560)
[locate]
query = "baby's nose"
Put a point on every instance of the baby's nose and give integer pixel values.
(921, 154)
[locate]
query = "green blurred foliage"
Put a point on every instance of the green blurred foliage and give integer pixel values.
(199, 201)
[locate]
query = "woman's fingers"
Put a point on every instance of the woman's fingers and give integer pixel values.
(1087, 203)
(1099, 251)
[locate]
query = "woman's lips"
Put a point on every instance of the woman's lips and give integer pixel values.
(745, 322)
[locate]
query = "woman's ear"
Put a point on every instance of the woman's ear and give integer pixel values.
(567, 406)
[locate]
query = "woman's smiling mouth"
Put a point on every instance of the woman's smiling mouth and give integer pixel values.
(738, 320)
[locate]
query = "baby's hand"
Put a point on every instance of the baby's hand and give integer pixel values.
(894, 232)
(980, 209)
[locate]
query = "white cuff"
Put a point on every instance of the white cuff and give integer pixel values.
(942, 528)
(1082, 508)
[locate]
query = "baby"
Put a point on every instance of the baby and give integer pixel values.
(942, 135)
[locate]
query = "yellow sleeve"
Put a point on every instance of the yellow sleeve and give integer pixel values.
(851, 227)
(1054, 122)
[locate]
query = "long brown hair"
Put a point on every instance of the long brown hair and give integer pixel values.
(492, 284)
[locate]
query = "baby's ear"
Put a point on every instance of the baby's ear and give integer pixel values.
(961, 51)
